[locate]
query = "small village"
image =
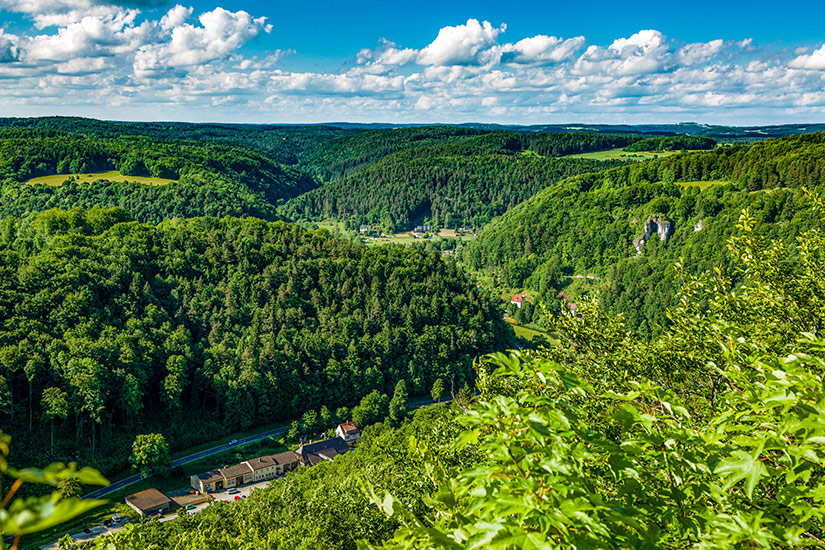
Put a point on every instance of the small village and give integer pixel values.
(226, 483)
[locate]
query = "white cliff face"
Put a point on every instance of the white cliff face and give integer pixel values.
(662, 227)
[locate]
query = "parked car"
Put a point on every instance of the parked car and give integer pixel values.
(190, 506)
(124, 521)
(243, 496)
(232, 491)
(237, 497)
(107, 523)
(116, 518)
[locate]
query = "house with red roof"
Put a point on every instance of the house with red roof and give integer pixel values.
(348, 431)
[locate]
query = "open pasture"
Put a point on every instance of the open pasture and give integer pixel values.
(60, 179)
(621, 154)
(702, 185)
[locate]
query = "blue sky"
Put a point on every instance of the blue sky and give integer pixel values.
(506, 62)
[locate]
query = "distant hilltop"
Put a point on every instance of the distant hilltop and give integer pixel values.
(727, 133)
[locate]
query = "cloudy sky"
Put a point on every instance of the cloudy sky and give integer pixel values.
(449, 61)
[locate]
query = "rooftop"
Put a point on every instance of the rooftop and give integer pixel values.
(211, 475)
(322, 450)
(348, 426)
(236, 470)
(285, 458)
(267, 461)
(148, 499)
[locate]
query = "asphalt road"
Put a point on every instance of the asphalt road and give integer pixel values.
(125, 482)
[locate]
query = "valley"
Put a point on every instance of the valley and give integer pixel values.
(566, 293)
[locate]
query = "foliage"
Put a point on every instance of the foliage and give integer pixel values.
(398, 404)
(214, 179)
(672, 143)
(590, 446)
(437, 390)
(150, 455)
(197, 328)
(451, 184)
(20, 516)
(372, 408)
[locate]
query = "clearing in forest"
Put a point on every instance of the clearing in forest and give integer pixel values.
(702, 185)
(60, 179)
(621, 154)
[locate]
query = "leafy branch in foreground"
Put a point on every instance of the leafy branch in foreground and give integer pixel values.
(22, 516)
(609, 442)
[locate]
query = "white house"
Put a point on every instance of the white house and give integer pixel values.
(348, 431)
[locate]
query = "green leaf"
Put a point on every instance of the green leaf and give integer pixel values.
(34, 514)
(741, 466)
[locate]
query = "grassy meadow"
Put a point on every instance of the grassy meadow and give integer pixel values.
(60, 179)
(702, 185)
(621, 154)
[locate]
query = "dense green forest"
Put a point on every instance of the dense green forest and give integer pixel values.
(283, 144)
(463, 182)
(345, 156)
(212, 179)
(590, 222)
(708, 436)
(672, 143)
(451, 176)
(196, 328)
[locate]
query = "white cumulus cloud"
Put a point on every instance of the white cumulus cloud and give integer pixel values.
(541, 49)
(220, 33)
(461, 45)
(815, 60)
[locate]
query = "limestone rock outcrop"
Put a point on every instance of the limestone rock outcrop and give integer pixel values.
(658, 225)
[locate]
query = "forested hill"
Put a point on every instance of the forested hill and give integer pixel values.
(345, 156)
(200, 327)
(791, 161)
(589, 223)
(283, 144)
(462, 181)
(211, 178)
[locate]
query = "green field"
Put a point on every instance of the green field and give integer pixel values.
(526, 333)
(60, 179)
(702, 185)
(621, 154)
